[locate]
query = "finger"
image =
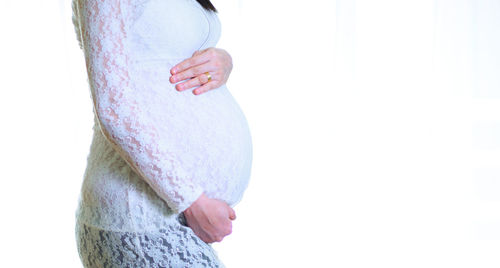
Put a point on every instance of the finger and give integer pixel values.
(190, 62)
(198, 52)
(232, 214)
(229, 229)
(206, 87)
(199, 232)
(197, 81)
(193, 72)
(206, 239)
(216, 238)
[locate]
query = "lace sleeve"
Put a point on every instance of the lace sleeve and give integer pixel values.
(104, 26)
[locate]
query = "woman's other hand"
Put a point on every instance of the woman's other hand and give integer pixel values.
(217, 62)
(210, 218)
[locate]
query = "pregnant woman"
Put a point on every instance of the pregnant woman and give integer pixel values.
(171, 152)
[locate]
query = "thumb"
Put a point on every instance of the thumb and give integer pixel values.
(196, 53)
(232, 214)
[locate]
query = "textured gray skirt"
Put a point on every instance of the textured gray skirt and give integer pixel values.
(176, 246)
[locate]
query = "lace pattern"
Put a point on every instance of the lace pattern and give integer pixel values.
(103, 35)
(154, 150)
(174, 246)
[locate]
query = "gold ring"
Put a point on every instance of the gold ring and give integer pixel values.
(208, 76)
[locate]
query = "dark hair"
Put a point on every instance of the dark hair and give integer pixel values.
(206, 4)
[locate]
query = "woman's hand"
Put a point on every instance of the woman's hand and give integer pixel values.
(210, 219)
(217, 62)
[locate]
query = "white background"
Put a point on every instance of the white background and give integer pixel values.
(375, 124)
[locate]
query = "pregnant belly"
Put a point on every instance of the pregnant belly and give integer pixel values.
(208, 132)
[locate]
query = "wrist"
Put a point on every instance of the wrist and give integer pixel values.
(200, 199)
(197, 203)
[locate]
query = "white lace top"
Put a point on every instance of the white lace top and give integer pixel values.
(155, 149)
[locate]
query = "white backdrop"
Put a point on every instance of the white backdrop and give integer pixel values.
(375, 124)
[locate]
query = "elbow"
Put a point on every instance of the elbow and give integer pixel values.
(106, 116)
(103, 112)
(107, 120)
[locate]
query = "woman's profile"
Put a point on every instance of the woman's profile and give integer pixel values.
(171, 152)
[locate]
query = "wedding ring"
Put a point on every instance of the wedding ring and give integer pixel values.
(208, 76)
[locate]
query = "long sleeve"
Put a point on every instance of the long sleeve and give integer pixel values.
(103, 26)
